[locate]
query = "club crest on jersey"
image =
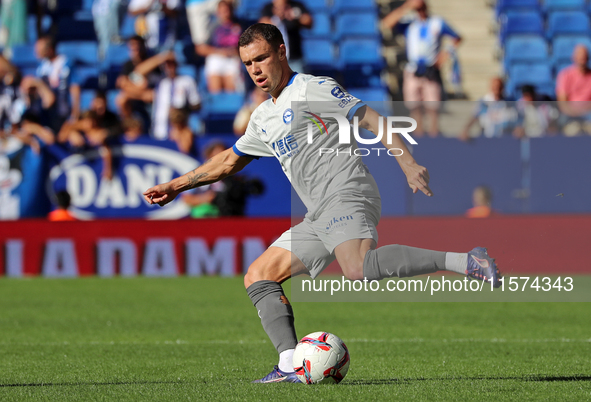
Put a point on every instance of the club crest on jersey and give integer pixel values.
(287, 116)
(337, 92)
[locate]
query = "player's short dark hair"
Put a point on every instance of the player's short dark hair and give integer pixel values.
(63, 199)
(270, 33)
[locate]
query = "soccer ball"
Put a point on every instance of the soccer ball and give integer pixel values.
(321, 357)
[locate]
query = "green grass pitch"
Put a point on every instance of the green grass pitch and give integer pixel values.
(200, 338)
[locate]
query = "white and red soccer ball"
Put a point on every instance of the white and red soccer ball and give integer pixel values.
(321, 357)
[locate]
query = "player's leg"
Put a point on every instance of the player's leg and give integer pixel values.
(263, 285)
(360, 261)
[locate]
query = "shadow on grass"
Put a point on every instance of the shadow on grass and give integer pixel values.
(69, 384)
(514, 378)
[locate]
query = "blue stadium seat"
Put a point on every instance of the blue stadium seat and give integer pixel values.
(116, 55)
(86, 76)
(70, 29)
(187, 69)
(86, 97)
(24, 55)
(504, 6)
(560, 65)
(219, 111)
(111, 95)
(84, 52)
(343, 6)
(315, 6)
(378, 98)
(195, 123)
(32, 27)
(563, 46)
(127, 29)
(561, 5)
(318, 52)
(360, 51)
(538, 75)
(87, 5)
(361, 24)
(526, 22)
(321, 28)
(250, 9)
(525, 49)
(567, 22)
(361, 62)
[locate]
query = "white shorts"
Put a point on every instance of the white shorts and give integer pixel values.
(313, 242)
(216, 64)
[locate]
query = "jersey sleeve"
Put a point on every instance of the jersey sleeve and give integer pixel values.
(327, 96)
(250, 143)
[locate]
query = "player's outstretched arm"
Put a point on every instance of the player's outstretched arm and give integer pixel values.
(416, 175)
(220, 166)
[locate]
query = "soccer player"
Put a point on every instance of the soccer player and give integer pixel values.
(331, 186)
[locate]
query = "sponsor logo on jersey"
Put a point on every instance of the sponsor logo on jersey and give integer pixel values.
(337, 92)
(287, 146)
(287, 116)
(337, 222)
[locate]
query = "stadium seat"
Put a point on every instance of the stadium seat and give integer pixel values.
(563, 46)
(187, 69)
(378, 98)
(561, 5)
(526, 22)
(315, 6)
(84, 52)
(195, 123)
(321, 28)
(70, 29)
(538, 75)
(127, 29)
(525, 49)
(357, 25)
(361, 63)
(116, 55)
(111, 96)
(318, 52)
(32, 27)
(219, 110)
(86, 97)
(24, 56)
(504, 6)
(344, 6)
(567, 22)
(250, 10)
(86, 76)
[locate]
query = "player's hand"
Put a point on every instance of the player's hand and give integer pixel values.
(161, 194)
(418, 178)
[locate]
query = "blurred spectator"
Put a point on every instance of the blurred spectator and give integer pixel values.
(61, 213)
(257, 96)
(481, 201)
(422, 76)
(177, 91)
(222, 63)
(132, 129)
(199, 14)
(290, 17)
(180, 131)
(157, 21)
(12, 100)
(13, 18)
(134, 86)
(56, 71)
(573, 92)
(106, 16)
(30, 132)
(106, 119)
(38, 99)
(495, 115)
(534, 117)
(223, 198)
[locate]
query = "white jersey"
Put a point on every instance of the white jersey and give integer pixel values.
(280, 129)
